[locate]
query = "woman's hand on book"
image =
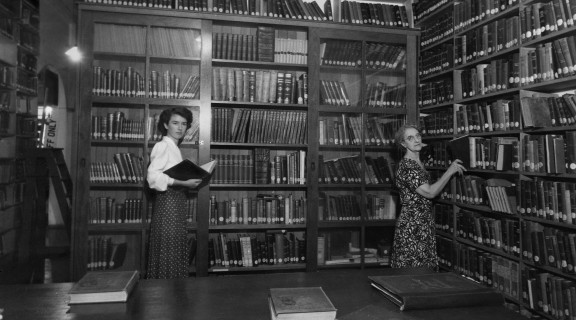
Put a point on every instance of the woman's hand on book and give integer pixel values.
(191, 183)
(456, 167)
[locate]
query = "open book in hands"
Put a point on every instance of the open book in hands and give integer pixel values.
(186, 170)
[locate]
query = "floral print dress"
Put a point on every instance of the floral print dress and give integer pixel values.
(414, 235)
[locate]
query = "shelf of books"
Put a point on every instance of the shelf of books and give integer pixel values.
(497, 91)
(363, 98)
(255, 86)
(18, 87)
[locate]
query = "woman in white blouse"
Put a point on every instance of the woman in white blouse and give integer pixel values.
(168, 251)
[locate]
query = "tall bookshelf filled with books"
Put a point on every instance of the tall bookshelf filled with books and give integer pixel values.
(496, 77)
(255, 88)
(19, 42)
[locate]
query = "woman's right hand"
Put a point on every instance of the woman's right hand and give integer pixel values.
(191, 183)
(456, 167)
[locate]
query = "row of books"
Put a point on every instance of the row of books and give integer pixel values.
(381, 95)
(343, 247)
(437, 30)
(435, 154)
(334, 93)
(498, 233)
(435, 92)
(498, 75)
(548, 61)
(120, 38)
(549, 246)
(249, 169)
(5, 99)
(230, 250)
(7, 172)
(552, 295)
(5, 125)
(499, 194)
(117, 83)
(490, 153)
(26, 82)
(11, 194)
(388, 15)
(6, 76)
(425, 8)
(485, 116)
(436, 60)
(443, 217)
(348, 170)
(543, 18)
(168, 86)
(469, 13)
(549, 153)
(262, 209)
(381, 206)
(549, 200)
(259, 126)
(437, 123)
(104, 253)
(107, 210)
(27, 61)
(348, 130)
(492, 270)
(543, 110)
(487, 40)
(174, 42)
(126, 168)
(115, 126)
(267, 86)
(267, 45)
(343, 207)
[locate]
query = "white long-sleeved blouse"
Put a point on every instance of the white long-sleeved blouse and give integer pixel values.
(164, 155)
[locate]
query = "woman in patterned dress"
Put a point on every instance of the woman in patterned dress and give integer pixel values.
(414, 240)
(168, 252)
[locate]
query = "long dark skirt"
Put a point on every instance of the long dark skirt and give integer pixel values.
(168, 253)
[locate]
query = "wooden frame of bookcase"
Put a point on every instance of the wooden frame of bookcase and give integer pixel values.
(89, 13)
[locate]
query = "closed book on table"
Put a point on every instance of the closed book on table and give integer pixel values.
(104, 286)
(186, 170)
(300, 303)
(434, 290)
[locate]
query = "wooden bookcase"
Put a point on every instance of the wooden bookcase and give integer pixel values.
(522, 249)
(215, 116)
(19, 43)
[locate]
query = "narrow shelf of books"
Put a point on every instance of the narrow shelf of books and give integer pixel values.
(506, 108)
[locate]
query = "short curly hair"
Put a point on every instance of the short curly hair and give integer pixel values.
(167, 114)
(399, 136)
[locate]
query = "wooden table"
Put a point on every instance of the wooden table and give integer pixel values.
(226, 297)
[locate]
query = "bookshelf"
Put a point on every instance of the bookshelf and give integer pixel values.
(508, 221)
(19, 44)
(257, 109)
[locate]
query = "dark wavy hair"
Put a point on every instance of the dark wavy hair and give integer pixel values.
(167, 114)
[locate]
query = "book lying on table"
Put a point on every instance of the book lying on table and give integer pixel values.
(186, 170)
(104, 286)
(434, 290)
(301, 303)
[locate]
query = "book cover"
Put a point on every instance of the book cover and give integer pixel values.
(300, 303)
(459, 148)
(105, 286)
(434, 290)
(187, 169)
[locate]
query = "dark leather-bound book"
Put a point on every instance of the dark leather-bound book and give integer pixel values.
(459, 148)
(187, 169)
(434, 290)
